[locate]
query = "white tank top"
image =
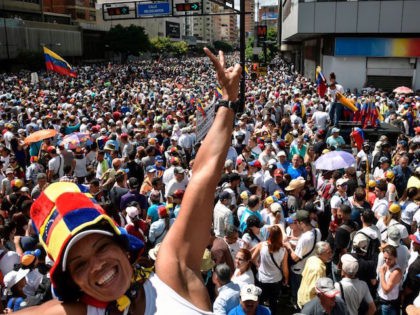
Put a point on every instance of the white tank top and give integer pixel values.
(268, 271)
(160, 300)
(393, 294)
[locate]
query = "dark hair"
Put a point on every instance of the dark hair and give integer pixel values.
(359, 194)
(382, 185)
(253, 201)
(94, 182)
(412, 192)
(223, 272)
(368, 216)
(345, 209)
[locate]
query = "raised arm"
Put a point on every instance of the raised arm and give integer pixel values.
(179, 258)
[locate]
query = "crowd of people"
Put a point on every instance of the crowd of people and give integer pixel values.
(330, 240)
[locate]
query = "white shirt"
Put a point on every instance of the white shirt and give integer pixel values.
(303, 247)
(222, 217)
(175, 185)
(380, 207)
(320, 119)
(355, 291)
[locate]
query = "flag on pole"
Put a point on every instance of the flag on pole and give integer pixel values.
(321, 82)
(200, 107)
(54, 62)
(246, 70)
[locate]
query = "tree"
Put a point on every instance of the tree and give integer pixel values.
(221, 45)
(272, 45)
(127, 40)
(180, 47)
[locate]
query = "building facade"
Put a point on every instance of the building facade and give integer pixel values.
(365, 43)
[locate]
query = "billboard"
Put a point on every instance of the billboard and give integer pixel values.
(173, 30)
(377, 47)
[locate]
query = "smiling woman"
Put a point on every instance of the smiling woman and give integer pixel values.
(93, 271)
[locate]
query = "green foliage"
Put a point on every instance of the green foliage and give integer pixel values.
(223, 46)
(127, 40)
(166, 45)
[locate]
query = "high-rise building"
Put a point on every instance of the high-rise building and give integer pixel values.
(365, 43)
(268, 15)
(78, 9)
(249, 18)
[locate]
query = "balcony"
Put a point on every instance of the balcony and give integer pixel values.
(303, 19)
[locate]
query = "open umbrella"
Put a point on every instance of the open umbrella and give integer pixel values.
(334, 160)
(403, 90)
(40, 135)
(76, 139)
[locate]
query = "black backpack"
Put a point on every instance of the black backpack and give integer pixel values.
(373, 247)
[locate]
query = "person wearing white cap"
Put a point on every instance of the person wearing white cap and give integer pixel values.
(249, 302)
(15, 281)
(340, 196)
(352, 290)
(326, 300)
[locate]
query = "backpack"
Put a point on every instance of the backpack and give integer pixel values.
(372, 249)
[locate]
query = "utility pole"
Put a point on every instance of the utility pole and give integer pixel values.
(242, 50)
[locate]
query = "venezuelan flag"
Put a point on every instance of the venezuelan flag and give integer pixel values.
(200, 108)
(320, 82)
(57, 64)
(218, 92)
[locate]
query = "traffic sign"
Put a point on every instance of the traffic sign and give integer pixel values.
(156, 8)
(182, 7)
(118, 11)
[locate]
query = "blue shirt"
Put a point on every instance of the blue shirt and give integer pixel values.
(261, 310)
(245, 215)
(152, 212)
(296, 172)
(227, 299)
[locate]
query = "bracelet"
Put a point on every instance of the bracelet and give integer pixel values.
(235, 106)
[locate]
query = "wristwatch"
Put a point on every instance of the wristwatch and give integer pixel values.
(235, 106)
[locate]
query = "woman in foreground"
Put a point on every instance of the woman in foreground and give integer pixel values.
(92, 273)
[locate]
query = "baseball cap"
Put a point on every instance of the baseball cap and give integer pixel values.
(29, 257)
(269, 200)
(389, 174)
(278, 172)
(372, 183)
(326, 287)
(394, 208)
(179, 193)
(250, 292)
(383, 159)
(361, 242)
(275, 207)
(291, 219)
(350, 265)
(394, 236)
(302, 215)
(415, 239)
(334, 130)
(150, 169)
(255, 163)
(14, 277)
(224, 195)
(281, 153)
(132, 211)
(341, 181)
(178, 170)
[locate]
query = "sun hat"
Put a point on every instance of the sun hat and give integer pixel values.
(295, 183)
(326, 287)
(250, 292)
(62, 215)
(13, 277)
